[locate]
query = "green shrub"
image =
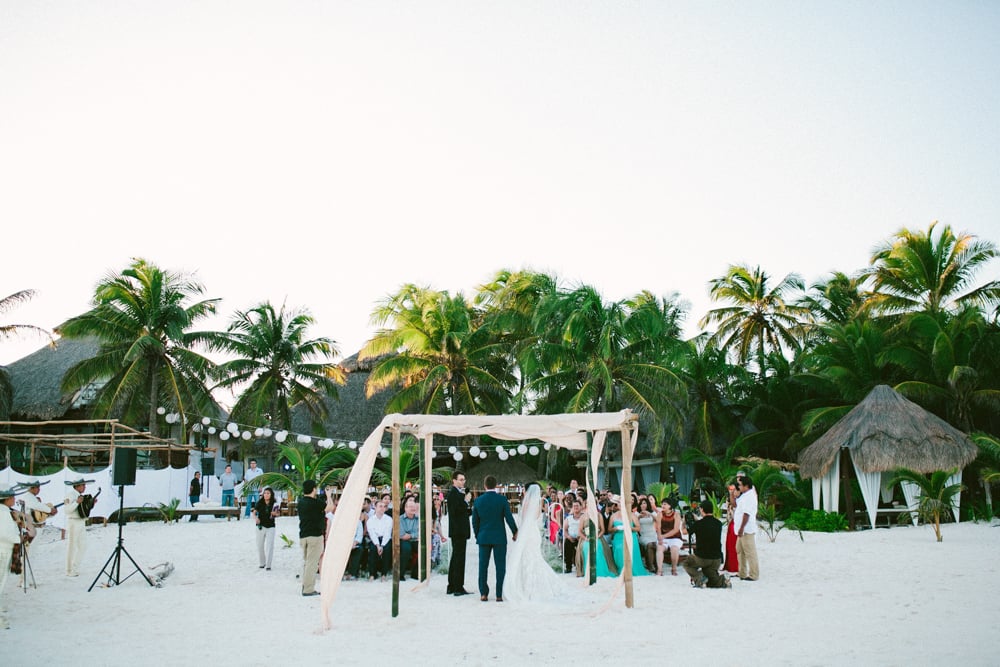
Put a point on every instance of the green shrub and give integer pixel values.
(816, 520)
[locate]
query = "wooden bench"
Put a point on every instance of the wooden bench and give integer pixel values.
(230, 512)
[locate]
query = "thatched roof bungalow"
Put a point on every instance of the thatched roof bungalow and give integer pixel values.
(36, 380)
(883, 432)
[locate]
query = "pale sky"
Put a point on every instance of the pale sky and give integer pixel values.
(324, 153)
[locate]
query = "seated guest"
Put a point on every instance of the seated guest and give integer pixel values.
(703, 565)
(671, 537)
(380, 534)
(648, 534)
(571, 539)
(354, 562)
(409, 539)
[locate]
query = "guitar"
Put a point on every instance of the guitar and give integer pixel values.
(85, 504)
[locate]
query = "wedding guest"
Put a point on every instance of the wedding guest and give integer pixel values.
(312, 523)
(194, 493)
(380, 534)
(264, 512)
(409, 539)
(354, 562)
(746, 529)
(252, 473)
(671, 536)
(648, 533)
(732, 562)
(703, 565)
(571, 539)
(228, 482)
(617, 530)
(437, 533)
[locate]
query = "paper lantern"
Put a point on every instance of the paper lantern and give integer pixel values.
(533, 450)
(161, 410)
(503, 456)
(352, 444)
(211, 430)
(522, 449)
(458, 456)
(224, 435)
(258, 432)
(206, 421)
(473, 451)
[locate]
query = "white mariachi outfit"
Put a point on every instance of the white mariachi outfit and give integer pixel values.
(9, 536)
(76, 533)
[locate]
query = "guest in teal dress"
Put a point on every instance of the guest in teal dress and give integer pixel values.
(605, 561)
(617, 530)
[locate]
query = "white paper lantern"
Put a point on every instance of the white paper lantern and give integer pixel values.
(384, 453)
(211, 430)
(433, 454)
(548, 446)
(512, 451)
(206, 421)
(247, 435)
(533, 450)
(522, 449)
(352, 444)
(503, 456)
(224, 435)
(268, 432)
(258, 432)
(196, 428)
(474, 451)
(482, 455)
(233, 428)
(458, 456)
(452, 449)
(280, 436)
(161, 410)
(303, 439)
(499, 448)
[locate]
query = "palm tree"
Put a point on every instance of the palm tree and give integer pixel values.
(324, 466)
(437, 355)
(837, 300)
(279, 365)
(936, 496)
(760, 318)
(8, 331)
(928, 272)
(142, 318)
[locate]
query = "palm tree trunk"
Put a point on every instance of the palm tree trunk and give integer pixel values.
(154, 423)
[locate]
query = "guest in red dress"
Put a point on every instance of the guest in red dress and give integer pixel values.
(732, 562)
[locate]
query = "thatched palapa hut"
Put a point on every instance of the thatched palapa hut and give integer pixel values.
(883, 432)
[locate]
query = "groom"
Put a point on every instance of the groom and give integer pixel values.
(488, 515)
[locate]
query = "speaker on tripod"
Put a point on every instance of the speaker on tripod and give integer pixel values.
(122, 475)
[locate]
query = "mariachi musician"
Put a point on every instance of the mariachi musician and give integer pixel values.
(10, 536)
(40, 512)
(78, 505)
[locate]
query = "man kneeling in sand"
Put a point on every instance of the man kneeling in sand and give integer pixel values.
(703, 565)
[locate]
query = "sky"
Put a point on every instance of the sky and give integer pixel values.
(322, 154)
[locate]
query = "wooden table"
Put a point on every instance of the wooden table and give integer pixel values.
(230, 512)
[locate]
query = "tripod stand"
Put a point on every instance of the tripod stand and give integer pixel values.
(113, 566)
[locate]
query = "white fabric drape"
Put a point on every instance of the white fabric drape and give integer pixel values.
(826, 489)
(956, 504)
(870, 483)
(911, 493)
(568, 431)
(886, 490)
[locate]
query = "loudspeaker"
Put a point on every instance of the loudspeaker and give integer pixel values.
(208, 466)
(123, 469)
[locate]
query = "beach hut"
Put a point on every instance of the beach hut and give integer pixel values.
(883, 432)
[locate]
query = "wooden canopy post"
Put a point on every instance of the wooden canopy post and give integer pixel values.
(626, 510)
(395, 522)
(426, 514)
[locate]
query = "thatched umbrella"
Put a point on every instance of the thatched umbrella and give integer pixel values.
(884, 432)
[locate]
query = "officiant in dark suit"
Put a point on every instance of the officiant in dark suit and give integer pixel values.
(489, 513)
(458, 531)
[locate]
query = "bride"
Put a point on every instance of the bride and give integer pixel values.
(529, 577)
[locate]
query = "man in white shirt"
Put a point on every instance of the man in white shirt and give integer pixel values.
(745, 520)
(572, 555)
(252, 473)
(9, 536)
(32, 503)
(380, 533)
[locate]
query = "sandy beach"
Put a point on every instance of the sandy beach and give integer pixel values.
(876, 597)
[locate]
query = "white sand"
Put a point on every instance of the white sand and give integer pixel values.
(882, 597)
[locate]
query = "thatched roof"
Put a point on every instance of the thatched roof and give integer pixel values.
(510, 471)
(353, 416)
(36, 378)
(886, 431)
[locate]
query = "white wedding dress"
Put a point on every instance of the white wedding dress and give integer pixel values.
(529, 577)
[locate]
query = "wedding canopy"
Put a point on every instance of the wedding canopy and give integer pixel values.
(883, 432)
(570, 431)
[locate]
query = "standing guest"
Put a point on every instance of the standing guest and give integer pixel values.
(489, 513)
(9, 536)
(732, 561)
(437, 534)
(671, 536)
(703, 565)
(459, 532)
(252, 473)
(228, 482)
(76, 525)
(194, 493)
(649, 539)
(312, 523)
(571, 539)
(380, 534)
(409, 539)
(265, 512)
(746, 529)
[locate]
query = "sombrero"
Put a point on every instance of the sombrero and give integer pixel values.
(75, 482)
(10, 492)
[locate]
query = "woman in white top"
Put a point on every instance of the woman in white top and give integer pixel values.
(648, 534)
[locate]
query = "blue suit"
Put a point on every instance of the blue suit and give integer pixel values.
(489, 513)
